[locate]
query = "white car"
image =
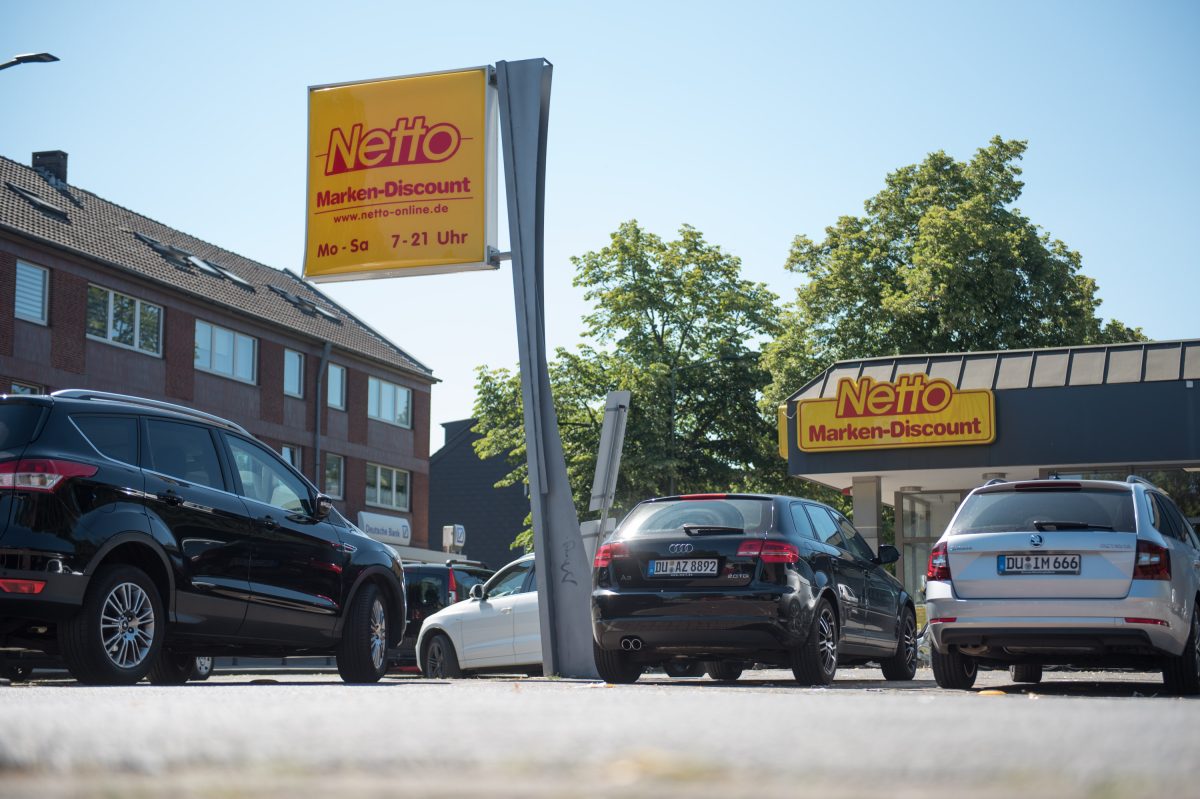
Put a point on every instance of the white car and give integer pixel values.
(496, 629)
(1078, 572)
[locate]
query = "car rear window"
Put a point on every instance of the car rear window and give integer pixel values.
(18, 424)
(745, 515)
(1007, 511)
(466, 579)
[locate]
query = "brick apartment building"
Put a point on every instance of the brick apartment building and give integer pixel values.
(93, 295)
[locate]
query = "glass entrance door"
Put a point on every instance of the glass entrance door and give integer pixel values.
(924, 516)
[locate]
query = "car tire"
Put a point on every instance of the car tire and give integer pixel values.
(815, 661)
(954, 670)
(679, 670)
(1181, 673)
(903, 665)
(1026, 672)
(723, 670)
(117, 634)
(204, 668)
(362, 650)
(614, 666)
(439, 660)
(172, 669)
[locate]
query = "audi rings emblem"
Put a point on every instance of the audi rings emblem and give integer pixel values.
(1035, 539)
(680, 549)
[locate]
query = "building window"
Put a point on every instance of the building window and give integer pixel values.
(389, 402)
(25, 388)
(33, 283)
(123, 320)
(387, 487)
(333, 475)
(293, 373)
(291, 454)
(225, 352)
(337, 387)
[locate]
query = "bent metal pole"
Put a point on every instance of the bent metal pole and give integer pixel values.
(563, 570)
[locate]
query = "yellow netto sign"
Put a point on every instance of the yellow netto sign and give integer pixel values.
(914, 411)
(401, 176)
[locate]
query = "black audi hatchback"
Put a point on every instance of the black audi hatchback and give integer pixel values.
(136, 535)
(723, 581)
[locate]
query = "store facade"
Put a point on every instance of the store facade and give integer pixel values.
(919, 432)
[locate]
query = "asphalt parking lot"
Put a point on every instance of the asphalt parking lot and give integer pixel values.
(306, 734)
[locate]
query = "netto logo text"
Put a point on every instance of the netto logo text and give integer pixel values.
(410, 141)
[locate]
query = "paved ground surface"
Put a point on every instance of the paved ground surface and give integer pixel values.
(287, 734)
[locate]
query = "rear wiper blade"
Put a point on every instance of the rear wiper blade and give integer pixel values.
(1042, 527)
(711, 529)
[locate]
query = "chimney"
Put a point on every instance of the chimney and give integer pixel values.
(52, 163)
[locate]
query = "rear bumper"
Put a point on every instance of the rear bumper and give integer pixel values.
(59, 599)
(1058, 628)
(669, 624)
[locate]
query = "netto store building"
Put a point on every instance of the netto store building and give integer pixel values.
(95, 296)
(919, 432)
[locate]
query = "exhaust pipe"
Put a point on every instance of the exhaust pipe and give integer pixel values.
(631, 644)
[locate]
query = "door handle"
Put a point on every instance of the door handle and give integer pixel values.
(170, 497)
(268, 522)
(506, 610)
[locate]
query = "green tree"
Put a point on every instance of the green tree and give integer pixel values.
(674, 324)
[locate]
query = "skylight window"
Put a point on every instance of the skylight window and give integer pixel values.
(37, 202)
(205, 266)
(306, 306)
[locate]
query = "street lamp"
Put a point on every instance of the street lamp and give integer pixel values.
(29, 58)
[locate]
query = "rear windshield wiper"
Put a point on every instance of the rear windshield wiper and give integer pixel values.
(711, 529)
(1042, 527)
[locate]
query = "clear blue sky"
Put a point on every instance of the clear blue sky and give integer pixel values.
(751, 121)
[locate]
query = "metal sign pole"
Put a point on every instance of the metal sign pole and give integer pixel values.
(564, 573)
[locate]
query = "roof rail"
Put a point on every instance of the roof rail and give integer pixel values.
(465, 562)
(1133, 478)
(107, 396)
(995, 481)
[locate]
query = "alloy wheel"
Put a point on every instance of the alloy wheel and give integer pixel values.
(378, 634)
(827, 641)
(910, 639)
(127, 625)
(435, 659)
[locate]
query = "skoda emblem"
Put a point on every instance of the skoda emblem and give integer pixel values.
(1035, 539)
(680, 549)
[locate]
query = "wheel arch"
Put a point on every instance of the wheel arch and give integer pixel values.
(141, 551)
(393, 594)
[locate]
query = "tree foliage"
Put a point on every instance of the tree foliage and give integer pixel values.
(674, 324)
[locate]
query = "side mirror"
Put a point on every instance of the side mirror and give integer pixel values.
(476, 591)
(887, 554)
(322, 506)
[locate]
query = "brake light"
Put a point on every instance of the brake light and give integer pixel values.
(22, 586)
(769, 551)
(703, 496)
(944, 620)
(1160, 622)
(452, 587)
(606, 553)
(38, 474)
(1152, 562)
(939, 563)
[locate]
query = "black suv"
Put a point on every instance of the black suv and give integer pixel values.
(727, 580)
(431, 587)
(136, 535)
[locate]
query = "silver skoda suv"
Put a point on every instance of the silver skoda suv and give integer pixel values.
(1090, 573)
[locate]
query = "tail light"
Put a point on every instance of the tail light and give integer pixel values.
(607, 552)
(22, 586)
(452, 587)
(939, 563)
(1152, 562)
(769, 551)
(36, 474)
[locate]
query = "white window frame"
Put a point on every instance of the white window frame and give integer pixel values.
(294, 458)
(233, 375)
(395, 473)
(341, 486)
(340, 403)
(376, 390)
(299, 391)
(44, 318)
(137, 322)
(17, 387)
